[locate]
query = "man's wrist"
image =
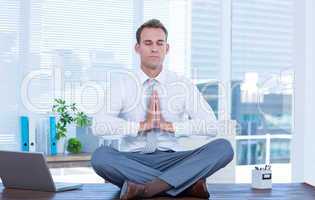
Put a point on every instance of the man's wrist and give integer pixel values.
(168, 126)
(144, 126)
(141, 127)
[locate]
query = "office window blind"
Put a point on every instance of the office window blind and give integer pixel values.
(262, 36)
(262, 79)
(9, 73)
(84, 39)
(175, 16)
(206, 25)
(194, 34)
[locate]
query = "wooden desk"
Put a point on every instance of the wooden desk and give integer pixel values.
(69, 160)
(217, 191)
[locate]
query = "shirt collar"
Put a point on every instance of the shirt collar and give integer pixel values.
(160, 78)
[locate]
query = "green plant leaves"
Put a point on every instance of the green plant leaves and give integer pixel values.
(82, 120)
(67, 114)
(74, 145)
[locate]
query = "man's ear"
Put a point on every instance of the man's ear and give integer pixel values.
(167, 48)
(137, 47)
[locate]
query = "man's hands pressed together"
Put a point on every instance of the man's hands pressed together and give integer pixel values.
(154, 118)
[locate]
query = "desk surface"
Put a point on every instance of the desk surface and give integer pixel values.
(69, 160)
(69, 157)
(217, 192)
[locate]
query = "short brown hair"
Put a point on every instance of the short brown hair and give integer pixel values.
(152, 23)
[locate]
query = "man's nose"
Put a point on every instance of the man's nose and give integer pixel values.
(154, 48)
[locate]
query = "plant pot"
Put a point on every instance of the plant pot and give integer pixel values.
(89, 141)
(61, 145)
(62, 142)
(71, 130)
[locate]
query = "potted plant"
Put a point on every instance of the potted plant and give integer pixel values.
(67, 114)
(74, 145)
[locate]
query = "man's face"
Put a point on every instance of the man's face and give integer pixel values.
(152, 47)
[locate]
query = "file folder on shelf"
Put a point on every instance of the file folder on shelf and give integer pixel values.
(24, 124)
(52, 135)
(42, 135)
(31, 134)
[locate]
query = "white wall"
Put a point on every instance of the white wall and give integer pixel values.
(309, 139)
(303, 143)
(297, 150)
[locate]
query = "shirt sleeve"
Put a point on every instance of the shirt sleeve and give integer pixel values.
(202, 120)
(106, 122)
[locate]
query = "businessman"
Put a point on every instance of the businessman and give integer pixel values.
(150, 108)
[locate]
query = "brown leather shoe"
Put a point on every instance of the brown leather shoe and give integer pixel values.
(199, 189)
(131, 190)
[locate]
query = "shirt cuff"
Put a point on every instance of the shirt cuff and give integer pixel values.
(132, 128)
(180, 129)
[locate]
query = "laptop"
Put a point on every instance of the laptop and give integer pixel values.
(26, 170)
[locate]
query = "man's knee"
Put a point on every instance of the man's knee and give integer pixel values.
(103, 163)
(101, 157)
(225, 148)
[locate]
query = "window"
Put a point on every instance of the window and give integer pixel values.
(194, 35)
(174, 15)
(205, 39)
(280, 150)
(82, 41)
(262, 80)
(252, 151)
(206, 31)
(10, 49)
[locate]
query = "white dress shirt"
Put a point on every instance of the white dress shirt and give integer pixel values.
(125, 107)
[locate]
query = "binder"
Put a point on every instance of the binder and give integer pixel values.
(42, 135)
(52, 135)
(24, 125)
(31, 134)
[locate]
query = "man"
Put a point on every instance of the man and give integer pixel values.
(150, 161)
